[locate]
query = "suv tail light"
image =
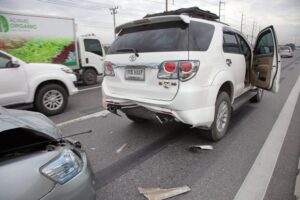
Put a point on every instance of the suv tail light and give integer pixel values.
(168, 70)
(182, 70)
(108, 69)
(188, 69)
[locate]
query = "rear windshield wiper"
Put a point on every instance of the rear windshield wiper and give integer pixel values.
(129, 49)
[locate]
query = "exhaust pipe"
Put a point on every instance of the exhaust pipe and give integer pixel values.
(113, 109)
(163, 119)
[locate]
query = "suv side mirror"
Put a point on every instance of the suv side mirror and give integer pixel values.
(15, 63)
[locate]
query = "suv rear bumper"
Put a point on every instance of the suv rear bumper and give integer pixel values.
(193, 107)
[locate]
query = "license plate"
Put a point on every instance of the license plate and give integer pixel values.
(135, 74)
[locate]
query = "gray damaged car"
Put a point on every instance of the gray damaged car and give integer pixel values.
(36, 162)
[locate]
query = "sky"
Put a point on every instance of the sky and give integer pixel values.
(94, 16)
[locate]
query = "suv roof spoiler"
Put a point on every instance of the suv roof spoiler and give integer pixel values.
(153, 20)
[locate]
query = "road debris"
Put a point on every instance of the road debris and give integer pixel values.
(196, 148)
(104, 113)
(119, 150)
(93, 148)
(160, 194)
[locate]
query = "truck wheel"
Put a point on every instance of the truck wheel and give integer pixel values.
(136, 119)
(51, 99)
(89, 77)
(222, 117)
(258, 97)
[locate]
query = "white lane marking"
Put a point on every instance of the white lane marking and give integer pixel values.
(92, 88)
(102, 113)
(256, 182)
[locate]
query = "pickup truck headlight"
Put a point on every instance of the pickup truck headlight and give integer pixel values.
(63, 168)
(67, 70)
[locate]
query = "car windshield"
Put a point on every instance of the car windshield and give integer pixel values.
(168, 36)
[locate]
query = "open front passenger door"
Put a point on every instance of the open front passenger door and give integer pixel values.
(266, 67)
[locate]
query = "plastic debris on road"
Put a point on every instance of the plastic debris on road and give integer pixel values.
(195, 148)
(104, 113)
(160, 194)
(119, 150)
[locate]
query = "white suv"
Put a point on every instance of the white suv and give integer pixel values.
(47, 86)
(188, 69)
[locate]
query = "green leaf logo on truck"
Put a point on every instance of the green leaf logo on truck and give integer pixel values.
(4, 27)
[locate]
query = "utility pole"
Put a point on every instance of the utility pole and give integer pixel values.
(242, 22)
(114, 11)
(221, 3)
(166, 5)
(252, 33)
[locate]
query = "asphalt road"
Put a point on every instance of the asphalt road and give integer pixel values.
(126, 155)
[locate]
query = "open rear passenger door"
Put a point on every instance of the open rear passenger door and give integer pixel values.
(265, 71)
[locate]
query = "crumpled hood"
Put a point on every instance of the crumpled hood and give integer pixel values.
(11, 119)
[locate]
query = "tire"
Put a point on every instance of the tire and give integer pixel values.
(222, 112)
(258, 97)
(89, 77)
(136, 119)
(55, 106)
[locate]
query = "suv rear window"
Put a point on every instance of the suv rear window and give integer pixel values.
(169, 36)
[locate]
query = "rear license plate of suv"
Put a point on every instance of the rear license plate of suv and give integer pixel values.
(135, 74)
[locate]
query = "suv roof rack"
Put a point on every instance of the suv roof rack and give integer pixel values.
(192, 12)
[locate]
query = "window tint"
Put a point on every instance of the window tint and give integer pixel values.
(265, 44)
(200, 36)
(168, 36)
(93, 46)
(246, 50)
(4, 60)
(230, 44)
(171, 36)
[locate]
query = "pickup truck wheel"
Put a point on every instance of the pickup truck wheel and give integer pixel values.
(136, 119)
(89, 77)
(222, 117)
(51, 99)
(258, 97)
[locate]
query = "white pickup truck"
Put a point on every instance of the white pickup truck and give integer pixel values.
(47, 86)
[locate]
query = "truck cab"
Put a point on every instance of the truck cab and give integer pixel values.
(91, 56)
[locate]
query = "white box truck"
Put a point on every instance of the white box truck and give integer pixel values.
(49, 39)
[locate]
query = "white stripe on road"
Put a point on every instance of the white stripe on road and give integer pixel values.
(102, 113)
(256, 182)
(92, 88)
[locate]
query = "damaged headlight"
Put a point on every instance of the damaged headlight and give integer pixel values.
(63, 168)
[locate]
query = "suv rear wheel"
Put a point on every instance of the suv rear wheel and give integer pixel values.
(51, 99)
(222, 117)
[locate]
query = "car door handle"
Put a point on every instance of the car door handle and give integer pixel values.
(228, 62)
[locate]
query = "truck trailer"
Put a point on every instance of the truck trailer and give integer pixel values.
(51, 39)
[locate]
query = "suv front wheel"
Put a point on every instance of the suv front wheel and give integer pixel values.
(222, 117)
(51, 99)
